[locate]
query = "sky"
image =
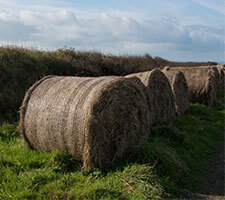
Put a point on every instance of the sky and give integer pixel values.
(179, 30)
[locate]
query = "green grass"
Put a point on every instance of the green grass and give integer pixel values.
(170, 165)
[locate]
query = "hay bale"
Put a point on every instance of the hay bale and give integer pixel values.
(221, 70)
(159, 93)
(180, 89)
(217, 76)
(202, 84)
(96, 120)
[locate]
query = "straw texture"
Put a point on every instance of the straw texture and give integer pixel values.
(159, 92)
(202, 84)
(221, 70)
(217, 75)
(180, 89)
(96, 120)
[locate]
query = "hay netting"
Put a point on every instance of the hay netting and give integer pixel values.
(96, 120)
(202, 84)
(159, 92)
(180, 89)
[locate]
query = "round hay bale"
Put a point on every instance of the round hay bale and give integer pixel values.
(221, 70)
(159, 93)
(217, 76)
(202, 84)
(180, 89)
(96, 120)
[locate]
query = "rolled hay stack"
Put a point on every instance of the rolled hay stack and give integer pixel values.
(221, 70)
(96, 120)
(219, 73)
(202, 84)
(217, 76)
(159, 94)
(180, 89)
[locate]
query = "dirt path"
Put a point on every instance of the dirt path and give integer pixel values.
(213, 187)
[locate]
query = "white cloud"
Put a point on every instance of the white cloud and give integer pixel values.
(12, 29)
(7, 16)
(109, 32)
(59, 18)
(208, 37)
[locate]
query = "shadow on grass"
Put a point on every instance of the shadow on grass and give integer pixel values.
(179, 150)
(176, 155)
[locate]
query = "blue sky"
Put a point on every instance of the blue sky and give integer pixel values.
(173, 29)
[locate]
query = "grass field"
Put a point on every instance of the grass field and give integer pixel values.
(171, 165)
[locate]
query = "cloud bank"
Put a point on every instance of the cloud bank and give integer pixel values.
(112, 32)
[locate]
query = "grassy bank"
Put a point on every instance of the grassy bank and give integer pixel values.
(170, 165)
(20, 68)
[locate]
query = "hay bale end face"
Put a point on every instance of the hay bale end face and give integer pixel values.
(221, 70)
(96, 120)
(202, 84)
(159, 92)
(217, 76)
(219, 73)
(180, 89)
